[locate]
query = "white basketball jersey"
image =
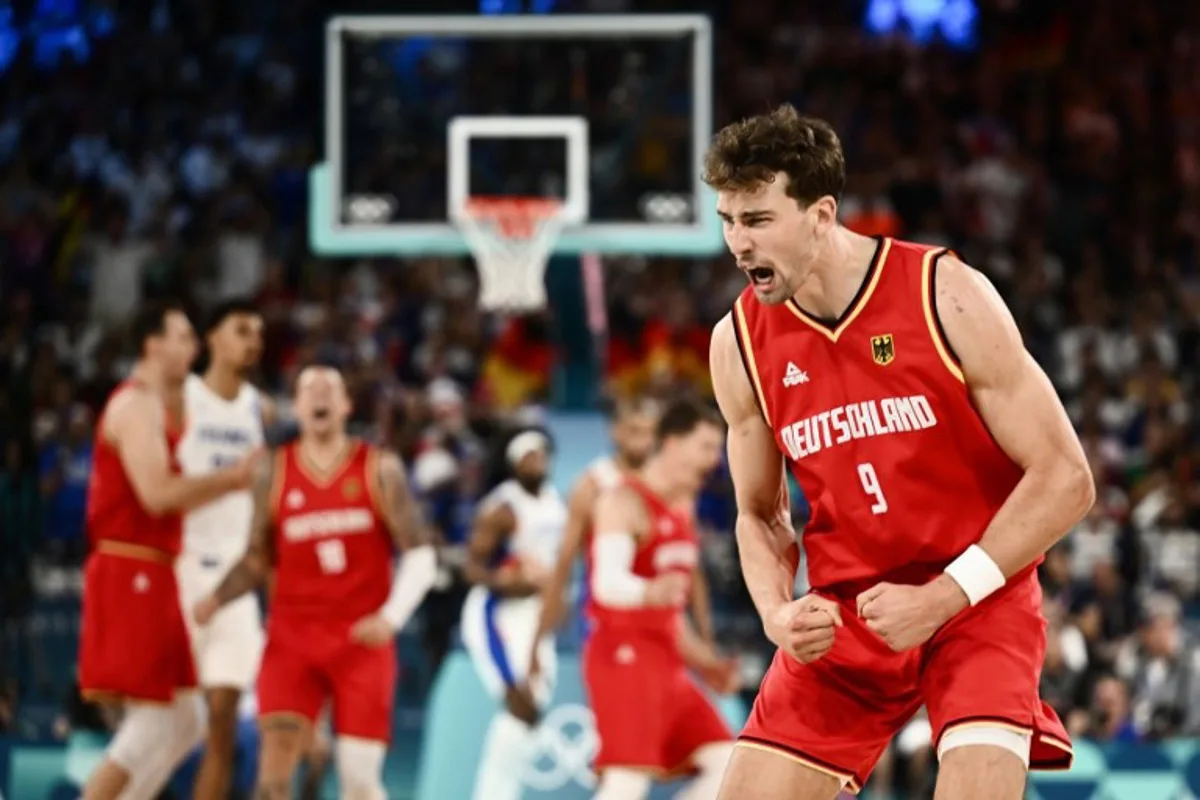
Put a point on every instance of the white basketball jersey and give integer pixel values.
(218, 433)
(540, 520)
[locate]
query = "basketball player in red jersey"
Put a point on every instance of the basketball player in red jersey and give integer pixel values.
(939, 465)
(633, 439)
(651, 719)
(134, 645)
(329, 514)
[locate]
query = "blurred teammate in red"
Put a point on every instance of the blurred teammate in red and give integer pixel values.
(939, 466)
(134, 645)
(633, 440)
(329, 515)
(651, 719)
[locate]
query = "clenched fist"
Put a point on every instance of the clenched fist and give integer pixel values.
(804, 628)
(907, 616)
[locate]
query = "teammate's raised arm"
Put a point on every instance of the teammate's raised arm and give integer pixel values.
(136, 425)
(252, 569)
(417, 570)
(621, 520)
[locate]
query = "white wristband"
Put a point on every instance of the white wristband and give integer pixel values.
(613, 582)
(976, 573)
(412, 580)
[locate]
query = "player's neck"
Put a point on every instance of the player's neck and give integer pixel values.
(324, 451)
(837, 274)
(623, 465)
(150, 375)
(223, 381)
(659, 479)
(531, 486)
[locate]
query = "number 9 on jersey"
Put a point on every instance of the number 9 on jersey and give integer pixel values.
(870, 484)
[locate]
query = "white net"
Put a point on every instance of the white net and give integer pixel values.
(511, 239)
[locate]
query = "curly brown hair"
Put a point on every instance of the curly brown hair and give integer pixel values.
(746, 154)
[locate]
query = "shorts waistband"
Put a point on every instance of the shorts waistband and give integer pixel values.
(909, 575)
(139, 552)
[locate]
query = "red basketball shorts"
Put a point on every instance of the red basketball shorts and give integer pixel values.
(307, 663)
(838, 714)
(649, 714)
(133, 641)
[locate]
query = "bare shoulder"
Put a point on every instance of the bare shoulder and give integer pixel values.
(133, 406)
(977, 323)
(731, 384)
(496, 503)
(723, 343)
(621, 506)
(391, 470)
(585, 490)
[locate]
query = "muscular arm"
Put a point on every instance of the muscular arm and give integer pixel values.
(417, 571)
(401, 511)
(579, 516)
(136, 425)
(493, 526)
(252, 569)
(766, 542)
(1020, 408)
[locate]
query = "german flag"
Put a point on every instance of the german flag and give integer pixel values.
(518, 367)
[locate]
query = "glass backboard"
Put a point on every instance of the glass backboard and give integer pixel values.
(610, 113)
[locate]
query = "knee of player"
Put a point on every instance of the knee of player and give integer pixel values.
(189, 723)
(360, 768)
(623, 784)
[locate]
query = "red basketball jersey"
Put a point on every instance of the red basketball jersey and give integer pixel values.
(333, 552)
(114, 512)
(670, 545)
(874, 416)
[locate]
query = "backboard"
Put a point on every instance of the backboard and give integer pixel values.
(609, 113)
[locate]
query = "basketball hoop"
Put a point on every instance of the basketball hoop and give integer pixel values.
(511, 239)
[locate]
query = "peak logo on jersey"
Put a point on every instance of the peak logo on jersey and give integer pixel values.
(883, 349)
(857, 421)
(351, 489)
(795, 376)
(295, 498)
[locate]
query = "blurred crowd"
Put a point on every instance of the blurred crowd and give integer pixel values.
(1062, 158)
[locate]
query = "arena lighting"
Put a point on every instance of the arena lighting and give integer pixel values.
(951, 21)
